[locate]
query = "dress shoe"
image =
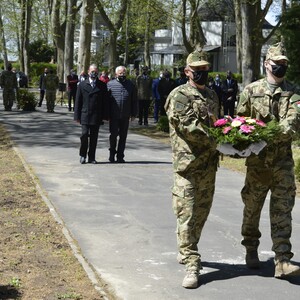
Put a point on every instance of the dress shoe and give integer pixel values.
(111, 158)
(120, 161)
(82, 160)
(93, 162)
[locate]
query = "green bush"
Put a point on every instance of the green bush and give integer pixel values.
(26, 100)
(163, 124)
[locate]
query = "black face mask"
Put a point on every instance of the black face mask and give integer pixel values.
(93, 75)
(200, 77)
(122, 78)
(279, 70)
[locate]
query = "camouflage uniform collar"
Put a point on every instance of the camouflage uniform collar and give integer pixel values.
(276, 88)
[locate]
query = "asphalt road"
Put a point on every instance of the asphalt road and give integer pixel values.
(121, 215)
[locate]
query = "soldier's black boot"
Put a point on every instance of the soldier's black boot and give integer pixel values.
(252, 260)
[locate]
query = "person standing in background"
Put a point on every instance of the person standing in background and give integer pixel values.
(104, 77)
(51, 82)
(229, 93)
(122, 108)
(90, 109)
(144, 88)
(182, 79)
(156, 96)
(165, 86)
(9, 83)
(42, 86)
(72, 80)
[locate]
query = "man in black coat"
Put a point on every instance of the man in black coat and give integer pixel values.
(90, 110)
(165, 86)
(229, 91)
(123, 107)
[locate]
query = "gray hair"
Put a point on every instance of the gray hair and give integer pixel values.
(120, 67)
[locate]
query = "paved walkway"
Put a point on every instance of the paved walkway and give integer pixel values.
(121, 217)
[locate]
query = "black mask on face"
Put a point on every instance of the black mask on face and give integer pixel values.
(122, 78)
(279, 70)
(200, 77)
(93, 75)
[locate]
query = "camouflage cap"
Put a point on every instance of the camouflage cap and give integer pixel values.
(197, 59)
(276, 52)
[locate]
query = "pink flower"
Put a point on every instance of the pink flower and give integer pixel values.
(220, 122)
(226, 129)
(260, 123)
(247, 128)
(240, 119)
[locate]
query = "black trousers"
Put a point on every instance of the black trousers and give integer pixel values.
(229, 106)
(89, 138)
(118, 127)
(72, 95)
(42, 95)
(144, 111)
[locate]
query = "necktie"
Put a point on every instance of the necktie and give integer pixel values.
(93, 84)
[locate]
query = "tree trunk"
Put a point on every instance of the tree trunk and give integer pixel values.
(113, 29)
(147, 38)
(58, 38)
(27, 36)
(252, 43)
(196, 39)
(69, 37)
(113, 50)
(239, 40)
(3, 42)
(85, 37)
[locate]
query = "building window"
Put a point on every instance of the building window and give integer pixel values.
(162, 59)
(177, 57)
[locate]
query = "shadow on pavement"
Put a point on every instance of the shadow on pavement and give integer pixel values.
(228, 271)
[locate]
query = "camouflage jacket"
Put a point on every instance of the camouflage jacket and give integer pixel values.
(51, 82)
(8, 80)
(190, 111)
(257, 101)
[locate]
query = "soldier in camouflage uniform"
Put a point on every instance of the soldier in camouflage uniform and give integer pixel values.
(9, 83)
(190, 108)
(51, 82)
(273, 169)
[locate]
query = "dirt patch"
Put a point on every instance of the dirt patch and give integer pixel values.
(36, 261)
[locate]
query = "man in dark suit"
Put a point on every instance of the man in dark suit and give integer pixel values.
(42, 86)
(72, 80)
(165, 86)
(229, 90)
(90, 110)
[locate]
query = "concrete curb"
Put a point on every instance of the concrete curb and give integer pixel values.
(91, 273)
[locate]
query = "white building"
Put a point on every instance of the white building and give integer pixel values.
(220, 44)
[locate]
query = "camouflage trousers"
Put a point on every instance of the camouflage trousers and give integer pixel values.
(50, 98)
(192, 200)
(9, 96)
(281, 182)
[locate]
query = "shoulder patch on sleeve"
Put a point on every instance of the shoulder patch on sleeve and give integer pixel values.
(179, 106)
